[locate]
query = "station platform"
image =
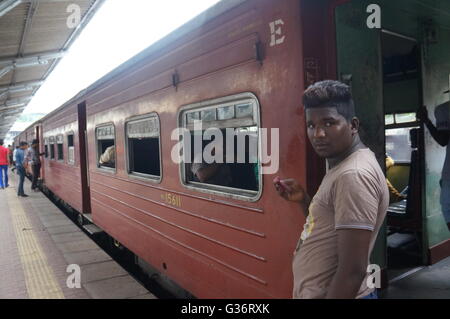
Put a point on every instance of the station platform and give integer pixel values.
(428, 282)
(38, 243)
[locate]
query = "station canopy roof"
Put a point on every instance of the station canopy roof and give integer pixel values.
(34, 36)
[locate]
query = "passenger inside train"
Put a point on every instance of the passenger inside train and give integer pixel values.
(213, 173)
(240, 173)
(108, 157)
(238, 126)
(106, 146)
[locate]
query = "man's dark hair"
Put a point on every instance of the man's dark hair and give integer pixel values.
(1, 141)
(23, 143)
(330, 94)
(35, 141)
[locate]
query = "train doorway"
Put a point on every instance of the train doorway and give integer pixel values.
(404, 150)
(384, 71)
(84, 162)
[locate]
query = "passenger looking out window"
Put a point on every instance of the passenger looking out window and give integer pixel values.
(108, 157)
(106, 146)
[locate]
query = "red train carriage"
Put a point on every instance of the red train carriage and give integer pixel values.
(62, 163)
(212, 240)
(242, 66)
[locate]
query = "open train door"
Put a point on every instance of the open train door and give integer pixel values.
(359, 64)
(84, 163)
(40, 138)
(395, 57)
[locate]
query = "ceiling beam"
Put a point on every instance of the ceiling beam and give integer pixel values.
(27, 28)
(8, 5)
(20, 85)
(15, 102)
(35, 59)
(7, 65)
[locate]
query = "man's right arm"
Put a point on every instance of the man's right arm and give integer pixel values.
(440, 136)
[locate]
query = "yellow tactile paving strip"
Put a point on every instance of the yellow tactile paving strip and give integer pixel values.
(40, 280)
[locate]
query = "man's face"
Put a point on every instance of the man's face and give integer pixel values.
(329, 132)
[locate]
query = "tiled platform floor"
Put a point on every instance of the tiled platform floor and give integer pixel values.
(38, 243)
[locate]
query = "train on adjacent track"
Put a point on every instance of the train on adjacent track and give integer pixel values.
(241, 65)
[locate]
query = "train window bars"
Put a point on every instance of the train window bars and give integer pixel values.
(143, 146)
(233, 125)
(70, 149)
(52, 147)
(106, 152)
(60, 148)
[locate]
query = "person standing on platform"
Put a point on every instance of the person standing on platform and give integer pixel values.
(33, 159)
(10, 155)
(345, 215)
(4, 163)
(14, 158)
(20, 161)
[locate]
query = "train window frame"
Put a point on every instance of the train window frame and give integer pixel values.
(52, 148)
(97, 154)
(46, 148)
(142, 176)
(59, 141)
(224, 191)
(69, 160)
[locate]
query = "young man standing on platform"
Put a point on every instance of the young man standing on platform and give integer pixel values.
(20, 160)
(4, 163)
(33, 159)
(346, 213)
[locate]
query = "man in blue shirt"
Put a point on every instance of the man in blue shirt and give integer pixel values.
(20, 159)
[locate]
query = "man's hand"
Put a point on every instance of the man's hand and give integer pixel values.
(290, 190)
(422, 114)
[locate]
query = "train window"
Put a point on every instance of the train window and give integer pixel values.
(398, 144)
(227, 162)
(52, 148)
(59, 145)
(46, 147)
(399, 118)
(106, 154)
(70, 149)
(143, 146)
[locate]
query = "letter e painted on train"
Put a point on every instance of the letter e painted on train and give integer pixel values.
(74, 279)
(374, 19)
(276, 32)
